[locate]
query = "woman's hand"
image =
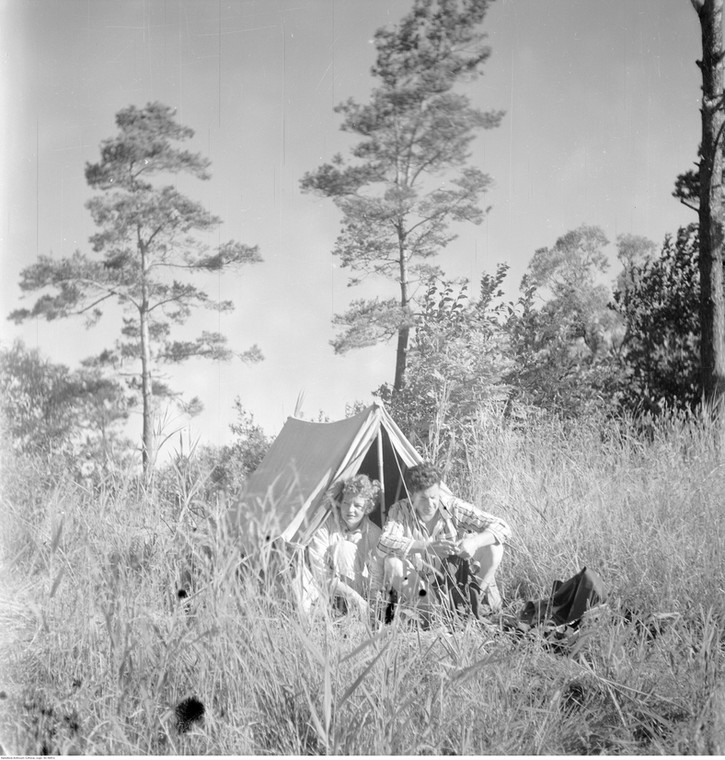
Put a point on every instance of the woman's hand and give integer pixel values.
(351, 596)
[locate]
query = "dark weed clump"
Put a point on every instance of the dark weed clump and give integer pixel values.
(188, 712)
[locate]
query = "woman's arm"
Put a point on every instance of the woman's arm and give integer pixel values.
(317, 554)
(340, 588)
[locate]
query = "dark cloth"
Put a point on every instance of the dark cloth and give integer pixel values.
(463, 590)
(568, 600)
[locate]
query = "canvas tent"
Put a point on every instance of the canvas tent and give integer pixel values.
(306, 458)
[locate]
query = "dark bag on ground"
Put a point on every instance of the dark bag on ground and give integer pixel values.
(568, 600)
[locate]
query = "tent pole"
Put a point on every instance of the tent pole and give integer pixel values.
(381, 475)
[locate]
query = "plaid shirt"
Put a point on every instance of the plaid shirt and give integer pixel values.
(403, 527)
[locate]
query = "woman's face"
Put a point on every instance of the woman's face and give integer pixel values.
(352, 510)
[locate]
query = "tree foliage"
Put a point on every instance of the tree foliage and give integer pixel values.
(659, 302)
(149, 241)
(458, 359)
(687, 189)
(633, 251)
(572, 264)
(409, 179)
(250, 443)
(228, 466)
(37, 400)
(49, 409)
(571, 345)
(563, 333)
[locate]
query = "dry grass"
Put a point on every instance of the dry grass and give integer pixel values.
(102, 657)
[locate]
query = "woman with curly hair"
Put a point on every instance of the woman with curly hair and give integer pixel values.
(342, 552)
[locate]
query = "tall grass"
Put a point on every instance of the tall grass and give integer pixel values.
(101, 655)
(644, 511)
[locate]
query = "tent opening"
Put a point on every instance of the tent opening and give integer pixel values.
(391, 479)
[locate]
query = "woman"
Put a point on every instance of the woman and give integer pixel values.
(342, 552)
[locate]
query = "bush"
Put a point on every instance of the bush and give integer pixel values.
(660, 303)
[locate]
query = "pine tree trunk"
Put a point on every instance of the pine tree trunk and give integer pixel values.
(712, 239)
(401, 354)
(146, 436)
(146, 389)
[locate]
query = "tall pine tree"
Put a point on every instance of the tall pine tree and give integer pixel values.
(409, 177)
(147, 246)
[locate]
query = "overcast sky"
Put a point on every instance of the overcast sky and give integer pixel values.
(602, 113)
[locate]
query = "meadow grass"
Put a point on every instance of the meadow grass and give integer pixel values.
(102, 656)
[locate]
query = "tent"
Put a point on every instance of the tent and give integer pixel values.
(306, 458)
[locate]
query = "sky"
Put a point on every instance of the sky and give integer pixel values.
(601, 103)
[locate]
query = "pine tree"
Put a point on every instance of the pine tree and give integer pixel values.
(146, 248)
(409, 179)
